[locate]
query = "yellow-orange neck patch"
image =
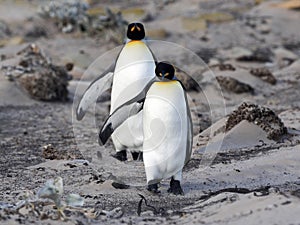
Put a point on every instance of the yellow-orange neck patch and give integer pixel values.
(134, 42)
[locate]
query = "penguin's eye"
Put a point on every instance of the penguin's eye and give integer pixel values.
(132, 29)
(139, 29)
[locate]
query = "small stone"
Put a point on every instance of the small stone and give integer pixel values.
(49, 152)
(284, 57)
(206, 54)
(74, 200)
(116, 213)
(264, 29)
(147, 213)
(264, 74)
(258, 55)
(238, 52)
(36, 32)
(224, 67)
(69, 66)
(232, 85)
(284, 53)
(214, 62)
(24, 211)
(2, 57)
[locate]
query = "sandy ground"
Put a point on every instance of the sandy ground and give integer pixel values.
(248, 178)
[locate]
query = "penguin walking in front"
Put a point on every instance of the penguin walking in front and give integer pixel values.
(167, 128)
(132, 71)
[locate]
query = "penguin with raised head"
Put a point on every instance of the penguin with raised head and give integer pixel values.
(133, 69)
(167, 128)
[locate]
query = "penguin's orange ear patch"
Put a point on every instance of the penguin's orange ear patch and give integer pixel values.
(132, 29)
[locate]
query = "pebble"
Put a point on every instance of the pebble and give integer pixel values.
(206, 54)
(237, 52)
(284, 57)
(232, 85)
(264, 74)
(258, 55)
(36, 32)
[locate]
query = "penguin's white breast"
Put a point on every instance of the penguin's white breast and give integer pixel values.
(134, 69)
(165, 128)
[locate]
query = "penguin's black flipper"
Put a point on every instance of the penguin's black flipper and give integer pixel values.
(122, 113)
(96, 88)
(117, 118)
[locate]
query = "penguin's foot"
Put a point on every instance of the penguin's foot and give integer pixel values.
(137, 156)
(175, 187)
(121, 155)
(153, 188)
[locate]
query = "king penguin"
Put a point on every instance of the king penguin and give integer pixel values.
(133, 69)
(167, 128)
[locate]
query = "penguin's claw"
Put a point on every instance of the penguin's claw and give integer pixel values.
(153, 188)
(175, 187)
(121, 155)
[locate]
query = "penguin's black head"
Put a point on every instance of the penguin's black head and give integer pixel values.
(135, 31)
(165, 70)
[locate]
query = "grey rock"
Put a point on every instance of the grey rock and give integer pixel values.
(232, 85)
(259, 115)
(264, 74)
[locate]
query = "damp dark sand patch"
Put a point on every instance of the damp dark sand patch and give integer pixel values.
(25, 130)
